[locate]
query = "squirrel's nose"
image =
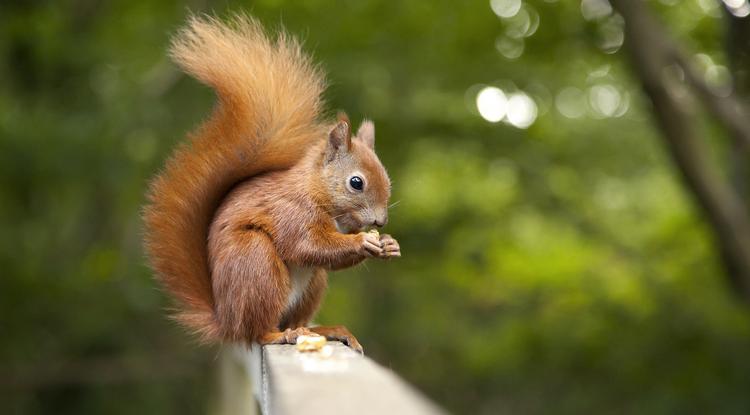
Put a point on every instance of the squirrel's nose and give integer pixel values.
(380, 222)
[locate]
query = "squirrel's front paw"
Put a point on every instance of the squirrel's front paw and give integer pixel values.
(391, 248)
(370, 245)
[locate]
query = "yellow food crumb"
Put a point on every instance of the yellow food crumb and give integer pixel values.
(312, 343)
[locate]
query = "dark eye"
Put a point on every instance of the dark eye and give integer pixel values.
(356, 183)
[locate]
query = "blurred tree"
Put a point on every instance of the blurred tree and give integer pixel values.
(653, 53)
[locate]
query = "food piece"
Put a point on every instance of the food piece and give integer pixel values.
(311, 343)
(375, 232)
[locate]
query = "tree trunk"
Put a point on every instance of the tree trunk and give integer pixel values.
(651, 52)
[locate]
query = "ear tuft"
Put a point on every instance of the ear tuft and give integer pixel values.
(340, 138)
(341, 116)
(366, 133)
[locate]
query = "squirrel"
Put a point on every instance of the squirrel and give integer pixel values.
(246, 218)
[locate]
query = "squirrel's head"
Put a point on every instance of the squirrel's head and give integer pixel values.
(356, 181)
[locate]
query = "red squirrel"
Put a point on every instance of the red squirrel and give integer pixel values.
(247, 217)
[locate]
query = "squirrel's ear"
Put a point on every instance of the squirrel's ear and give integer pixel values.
(340, 138)
(366, 133)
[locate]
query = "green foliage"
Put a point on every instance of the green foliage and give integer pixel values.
(560, 268)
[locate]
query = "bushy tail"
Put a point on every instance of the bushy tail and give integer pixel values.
(266, 118)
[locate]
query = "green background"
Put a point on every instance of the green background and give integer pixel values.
(561, 268)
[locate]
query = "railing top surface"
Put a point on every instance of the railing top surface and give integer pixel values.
(293, 382)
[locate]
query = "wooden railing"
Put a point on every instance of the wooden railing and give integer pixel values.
(285, 381)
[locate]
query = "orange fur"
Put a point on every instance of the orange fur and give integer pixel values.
(259, 188)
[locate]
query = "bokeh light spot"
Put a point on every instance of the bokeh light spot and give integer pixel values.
(605, 100)
(510, 48)
(739, 8)
(524, 24)
(522, 110)
(492, 104)
(571, 102)
(611, 34)
(505, 8)
(710, 7)
(595, 9)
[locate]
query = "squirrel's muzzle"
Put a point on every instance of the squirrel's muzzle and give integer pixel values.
(380, 221)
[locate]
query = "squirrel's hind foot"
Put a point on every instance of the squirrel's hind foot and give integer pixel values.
(288, 336)
(339, 333)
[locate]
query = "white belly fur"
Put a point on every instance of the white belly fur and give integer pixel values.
(299, 278)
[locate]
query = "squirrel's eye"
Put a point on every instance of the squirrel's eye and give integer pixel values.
(356, 183)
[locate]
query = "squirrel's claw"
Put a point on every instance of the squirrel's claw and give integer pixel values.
(391, 248)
